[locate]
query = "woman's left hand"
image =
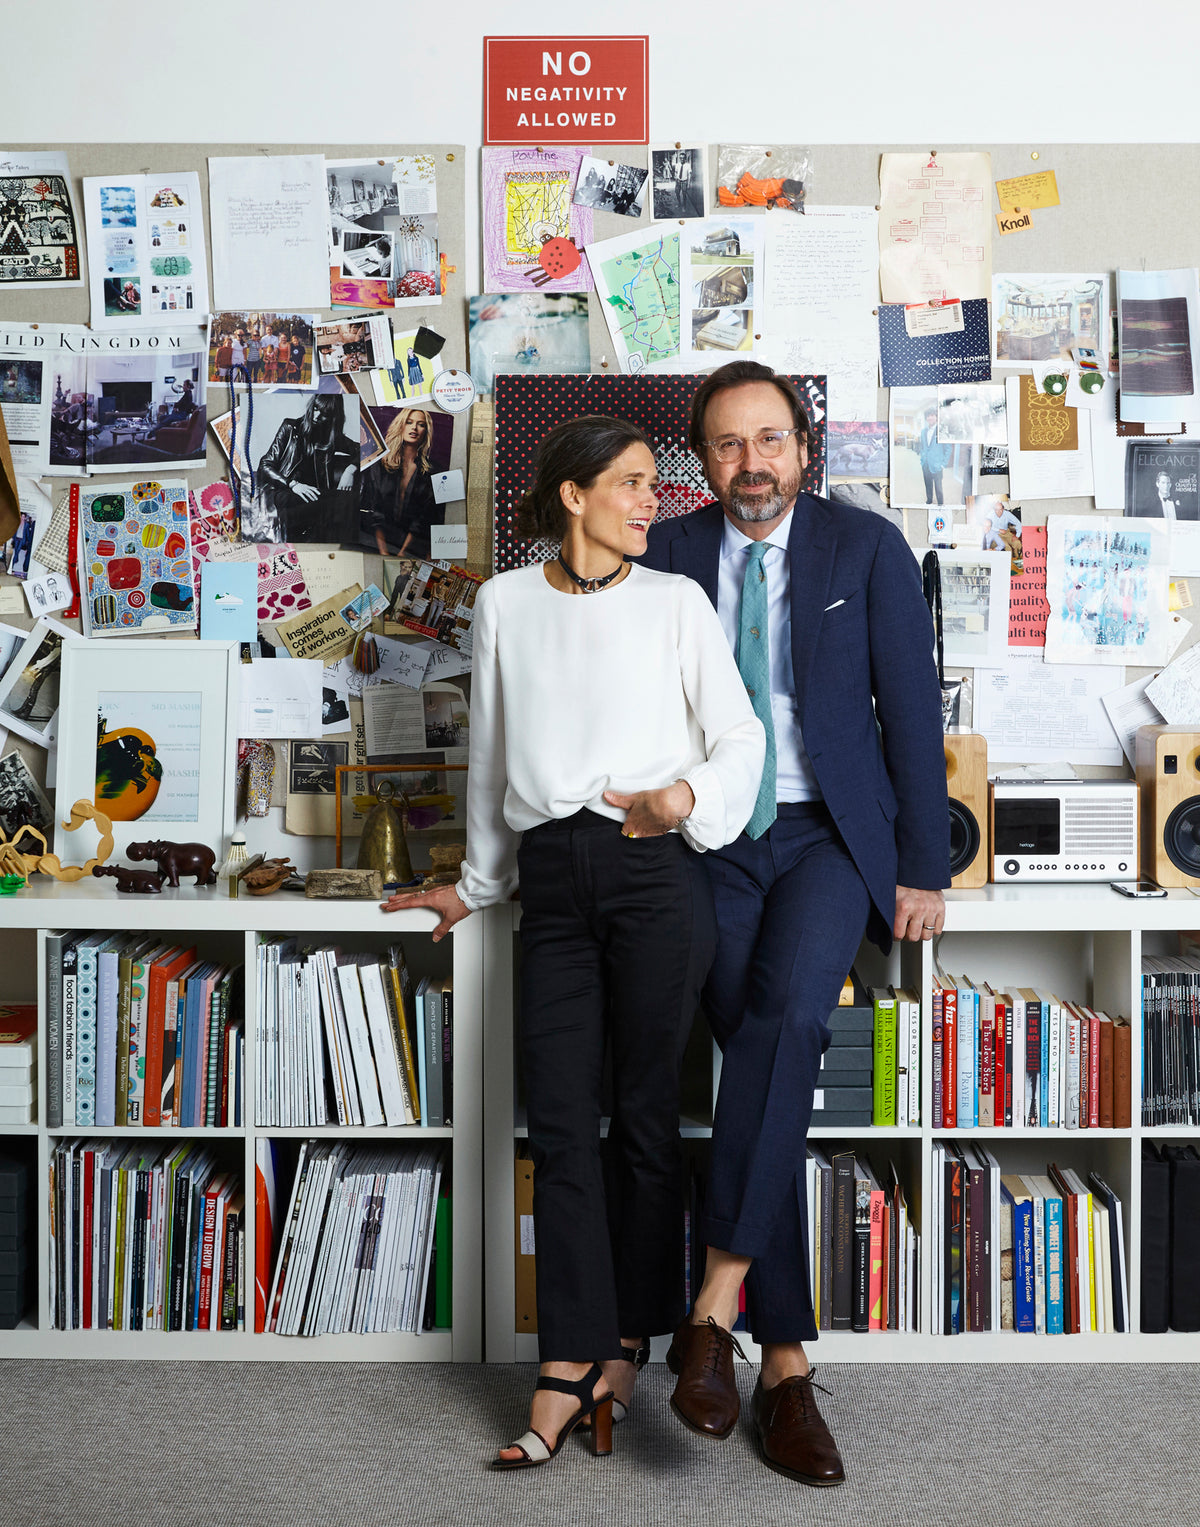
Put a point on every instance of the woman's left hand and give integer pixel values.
(651, 813)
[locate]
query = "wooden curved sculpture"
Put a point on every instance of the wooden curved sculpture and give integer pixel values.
(13, 862)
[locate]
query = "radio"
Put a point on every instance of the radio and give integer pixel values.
(1078, 829)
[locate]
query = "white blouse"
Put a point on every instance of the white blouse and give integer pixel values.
(627, 689)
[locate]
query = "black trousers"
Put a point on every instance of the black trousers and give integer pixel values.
(617, 935)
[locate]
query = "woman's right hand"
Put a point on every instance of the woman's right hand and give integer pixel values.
(442, 899)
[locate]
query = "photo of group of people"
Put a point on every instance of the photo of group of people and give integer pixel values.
(273, 349)
(361, 344)
(611, 187)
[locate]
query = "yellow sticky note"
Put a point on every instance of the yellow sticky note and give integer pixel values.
(1028, 192)
(1179, 596)
(1014, 222)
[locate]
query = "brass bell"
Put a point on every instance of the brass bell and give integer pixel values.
(383, 846)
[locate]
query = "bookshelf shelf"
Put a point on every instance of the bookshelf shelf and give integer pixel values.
(233, 927)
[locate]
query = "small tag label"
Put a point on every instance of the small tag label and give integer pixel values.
(935, 317)
(1014, 222)
(527, 1243)
(818, 1098)
(448, 542)
(448, 487)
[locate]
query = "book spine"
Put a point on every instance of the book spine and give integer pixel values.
(107, 982)
(433, 1053)
(70, 1010)
(54, 1021)
(914, 1059)
(1072, 1115)
(968, 1039)
(860, 1316)
(884, 1057)
(949, 1057)
(124, 1011)
(876, 1314)
(448, 1055)
(1122, 1075)
(1024, 1302)
(935, 1017)
(207, 1247)
(1046, 1106)
(1054, 1267)
(1053, 1029)
(85, 1038)
(1033, 1061)
(843, 1242)
(1008, 1062)
(155, 1022)
(987, 1069)
(138, 990)
(1094, 1059)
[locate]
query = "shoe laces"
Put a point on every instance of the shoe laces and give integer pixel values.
(723, 1340)
(799, 1394)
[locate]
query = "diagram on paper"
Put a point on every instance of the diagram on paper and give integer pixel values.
(638, 280)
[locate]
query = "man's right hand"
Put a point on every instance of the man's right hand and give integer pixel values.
(305, 493)
(442, 899)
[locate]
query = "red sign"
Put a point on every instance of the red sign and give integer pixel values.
(566, 89)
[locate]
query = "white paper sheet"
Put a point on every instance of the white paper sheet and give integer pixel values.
(935, 227)
(280, 698)
(1175, 692)
(1031, 711)
(1106, 584)
(1129, 708)
(146, 261)
(270, 245)
(1046, 474)
(1163, 350)
(327, 573)
(820, 288)
(395, 720)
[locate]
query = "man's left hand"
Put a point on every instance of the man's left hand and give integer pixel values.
(919, 914)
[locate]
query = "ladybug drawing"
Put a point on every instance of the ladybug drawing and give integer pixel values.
(558, 258)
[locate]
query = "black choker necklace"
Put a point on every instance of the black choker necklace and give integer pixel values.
(589, 585)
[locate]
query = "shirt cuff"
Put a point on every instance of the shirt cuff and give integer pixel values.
(705, 825)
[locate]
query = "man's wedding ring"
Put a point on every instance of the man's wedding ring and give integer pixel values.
(931, 926)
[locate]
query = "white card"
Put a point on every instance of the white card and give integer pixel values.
(448, 487)
(448, 542)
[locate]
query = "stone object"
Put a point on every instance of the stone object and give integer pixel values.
(342, 885)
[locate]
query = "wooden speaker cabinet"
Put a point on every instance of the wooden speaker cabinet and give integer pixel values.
(967, 785)
(1168, 776)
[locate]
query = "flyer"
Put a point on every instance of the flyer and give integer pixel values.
(146, 258)
(40, 230)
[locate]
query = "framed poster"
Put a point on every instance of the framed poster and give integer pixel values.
(150, 739)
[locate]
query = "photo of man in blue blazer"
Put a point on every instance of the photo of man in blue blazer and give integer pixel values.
(823, 607)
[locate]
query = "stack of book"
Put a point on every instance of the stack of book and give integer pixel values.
(1170, 1237)
(870, 1074)
(16, 1240)
(865, 1271)
(18, 1055)
(1021, 1057)
(1037, 1253)
(347, 1036)
(144, 1239)
(141, 1032)
(358, 1240)
(1171, 1040)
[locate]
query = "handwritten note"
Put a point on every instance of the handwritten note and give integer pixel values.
(268, 231)
(1027, 192)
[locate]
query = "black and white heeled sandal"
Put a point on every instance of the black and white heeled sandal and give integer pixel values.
(596, 1408)
(639, 1356)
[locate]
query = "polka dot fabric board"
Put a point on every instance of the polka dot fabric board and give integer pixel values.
(528, 406)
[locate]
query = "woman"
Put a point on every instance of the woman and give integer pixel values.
(414, 369)
(609, 731)
(397, 506)
(306, 476)
(224, 356)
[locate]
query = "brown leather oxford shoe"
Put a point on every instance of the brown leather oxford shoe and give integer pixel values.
(706, 1396)
(792, 1437)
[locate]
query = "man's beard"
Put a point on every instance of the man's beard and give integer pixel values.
(761, 506)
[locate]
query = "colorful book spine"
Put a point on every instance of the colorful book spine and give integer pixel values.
(85, 1034)
(949, 1056)
(935, 1021)
(884, 1057)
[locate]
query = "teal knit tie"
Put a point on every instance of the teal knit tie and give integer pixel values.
(754, 665)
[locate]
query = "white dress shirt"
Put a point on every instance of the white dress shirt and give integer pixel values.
(627, 689)
(794, 776)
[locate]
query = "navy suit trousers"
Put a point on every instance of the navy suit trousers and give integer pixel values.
(791, 912)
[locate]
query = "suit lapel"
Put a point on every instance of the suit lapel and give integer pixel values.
(697, 552)
(810, 558)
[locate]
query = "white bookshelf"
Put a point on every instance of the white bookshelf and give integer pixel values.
(1083, 941)
(231, 926)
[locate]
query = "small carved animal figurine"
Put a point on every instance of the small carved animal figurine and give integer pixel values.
(149, 882)
(175, 859)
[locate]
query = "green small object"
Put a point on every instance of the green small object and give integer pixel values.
(1055, 383)
(1090, 381)
(11, 884)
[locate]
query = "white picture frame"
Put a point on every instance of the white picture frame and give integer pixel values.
(187, 692)
(975, 620)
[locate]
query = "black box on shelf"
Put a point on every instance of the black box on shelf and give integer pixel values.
(847, 1060)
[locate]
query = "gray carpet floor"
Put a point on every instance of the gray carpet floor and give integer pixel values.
(93, 1444)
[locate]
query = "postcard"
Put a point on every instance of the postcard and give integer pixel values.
(383, 241)
(923, 360)
(229, 602)
(1043, 317)
(1106, 582)
(146, 259)
(273, 349)
(1158, 318)
(820, 292)
(678, 178)
(935, 234)
(135, 557)
(926, 471)
(637, 280)
(43, 231)
(606, 186)
(720, 268)
(269, 236)
(528, 331)
(533, 234)
(354, 344)
(857, 450)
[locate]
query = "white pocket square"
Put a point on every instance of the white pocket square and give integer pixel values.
(834, 605)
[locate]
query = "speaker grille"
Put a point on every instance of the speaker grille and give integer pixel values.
(1099, 827)
(964, 837)
(1181, 836)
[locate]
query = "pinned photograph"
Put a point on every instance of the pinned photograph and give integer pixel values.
(357, 344)
(275, 348)
(858, 450)
(973, 414)
(607, 186)
(998, 526)
(144, 411)
(30, 684)
(1043, 317)
(397, 506)
(383, 231)
(975, 587)
(925, 469)
(719, 266)
(23, 803)
(527, 331)
(677, 180)
(409, 374)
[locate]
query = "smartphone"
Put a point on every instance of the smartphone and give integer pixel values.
(1136, 888)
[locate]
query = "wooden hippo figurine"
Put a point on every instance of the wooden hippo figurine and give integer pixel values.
(175, 859)
(149, 882)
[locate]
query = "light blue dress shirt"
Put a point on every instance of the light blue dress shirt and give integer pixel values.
(794, 777)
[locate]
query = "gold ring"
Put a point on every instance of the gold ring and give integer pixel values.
(631, 834)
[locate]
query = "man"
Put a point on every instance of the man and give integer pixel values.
(933, 456)
(823, 606)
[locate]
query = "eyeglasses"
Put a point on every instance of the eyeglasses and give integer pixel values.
(767, 443)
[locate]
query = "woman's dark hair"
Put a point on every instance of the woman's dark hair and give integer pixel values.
(736, 374)
(577, 451)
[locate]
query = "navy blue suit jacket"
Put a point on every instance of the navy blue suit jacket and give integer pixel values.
(862, 654)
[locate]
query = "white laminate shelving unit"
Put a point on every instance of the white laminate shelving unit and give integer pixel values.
(232, 927)
(1082, 941)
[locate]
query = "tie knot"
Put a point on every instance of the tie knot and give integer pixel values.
(758, 550)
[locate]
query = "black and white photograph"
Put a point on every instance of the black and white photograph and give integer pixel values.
(972, 413)
(22, 804)
(446, 719)
(335, 704)
(311, 766)
(30, 684)
(993, 460)
(677, 178)
(1163, 481)
(611, 187)
(305, 451)
(872, 496)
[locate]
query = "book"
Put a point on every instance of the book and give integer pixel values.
(842, 1272)
(55, 943)
(860, 1310)
(987, 1059)
(950, 1055)
(1016, 1194)
(1155, 1238)
(433, 1052)
(936, 1031)
(1053, 1211)
(1033, 1057)
(884, 1049)
(403, 987)
(166, 968)
(1122, 1073)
